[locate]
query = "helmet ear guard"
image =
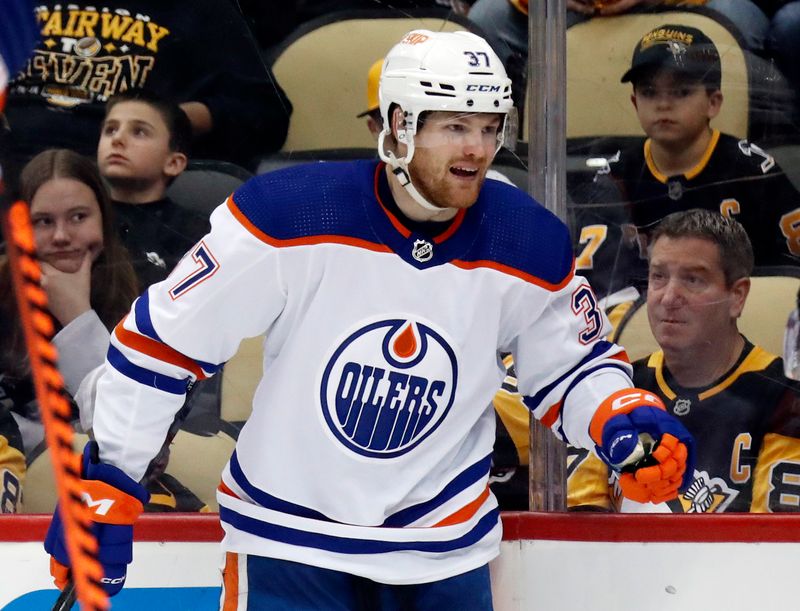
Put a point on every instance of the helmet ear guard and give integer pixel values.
(508, 136)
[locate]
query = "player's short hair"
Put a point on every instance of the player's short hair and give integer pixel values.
(685, 50)
(178, 124)
(735, 249)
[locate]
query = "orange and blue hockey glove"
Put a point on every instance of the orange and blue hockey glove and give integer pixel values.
(650, 449)
(115, 501)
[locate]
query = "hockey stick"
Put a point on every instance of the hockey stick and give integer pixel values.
(67, 598)
(19, 34)
(55, 410)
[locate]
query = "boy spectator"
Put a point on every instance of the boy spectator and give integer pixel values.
(684, 163)
(144, 145)
(730, 394)
(200, 54)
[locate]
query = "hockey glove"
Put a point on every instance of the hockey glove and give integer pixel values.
(115, 501)
(651, 449)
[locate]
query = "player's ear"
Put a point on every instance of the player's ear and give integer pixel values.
(739, 291)
(398, 121)
(633, 100)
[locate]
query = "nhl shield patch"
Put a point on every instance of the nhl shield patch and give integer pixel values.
(422, 250)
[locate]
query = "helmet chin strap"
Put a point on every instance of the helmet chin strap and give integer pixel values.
(400, 168)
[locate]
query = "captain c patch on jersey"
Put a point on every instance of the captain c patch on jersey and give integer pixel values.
(387, 386)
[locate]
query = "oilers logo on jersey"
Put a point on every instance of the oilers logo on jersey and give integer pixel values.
(387, 386)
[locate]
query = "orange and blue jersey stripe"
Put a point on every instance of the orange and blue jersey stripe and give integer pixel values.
(404, 517)
(146, 341)
(353, 545)
(602, 351)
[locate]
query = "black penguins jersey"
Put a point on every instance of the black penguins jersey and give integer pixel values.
(604, 239)
(508, 476)
(734, 177)
(746, 427)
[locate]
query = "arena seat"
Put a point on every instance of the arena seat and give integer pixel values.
(323, 67)
(772, 298)
(39, 491)
(513, 165)
(285, 159)
(196, 461)
(239, 380)
(205, 184)
(599, 105)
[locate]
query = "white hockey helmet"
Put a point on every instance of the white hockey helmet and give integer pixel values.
(440, 71)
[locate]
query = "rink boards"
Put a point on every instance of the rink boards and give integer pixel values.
(549, 562)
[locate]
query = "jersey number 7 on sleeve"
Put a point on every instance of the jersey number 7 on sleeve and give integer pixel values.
(206, 266)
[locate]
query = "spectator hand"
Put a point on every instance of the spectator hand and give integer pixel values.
(68, 294)
(651, 449)
(115, 501)
(581, 6)
(617, 7)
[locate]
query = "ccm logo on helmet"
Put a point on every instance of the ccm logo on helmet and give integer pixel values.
(112, 581)
(489, 88)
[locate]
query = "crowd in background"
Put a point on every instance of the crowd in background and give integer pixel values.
(119, 99)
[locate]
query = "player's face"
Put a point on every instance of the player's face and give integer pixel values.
(134, 145)
(673, 110)
(67, 223)
(689, 305)
(452, 153)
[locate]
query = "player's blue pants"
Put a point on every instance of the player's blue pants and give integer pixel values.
(254, 583)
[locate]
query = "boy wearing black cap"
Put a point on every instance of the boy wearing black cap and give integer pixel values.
(684, 163)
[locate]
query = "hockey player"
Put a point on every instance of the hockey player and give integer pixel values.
(386, 290)
(730, 394)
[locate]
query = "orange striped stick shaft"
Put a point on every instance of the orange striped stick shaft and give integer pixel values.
(54, 406)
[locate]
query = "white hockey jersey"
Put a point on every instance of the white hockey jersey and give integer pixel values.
(368, 448)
